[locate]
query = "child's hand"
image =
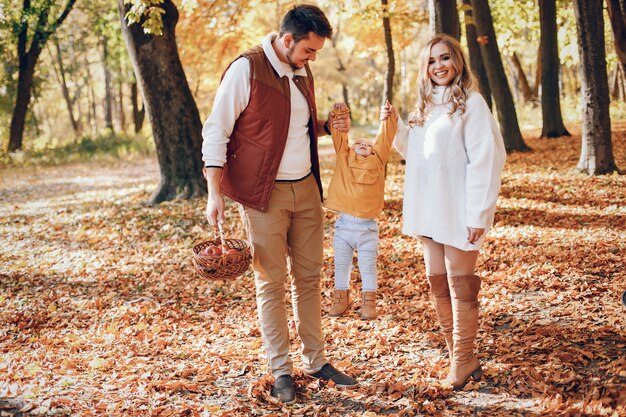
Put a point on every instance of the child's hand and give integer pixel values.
(340, 108)
(387, 111)
(339, 117)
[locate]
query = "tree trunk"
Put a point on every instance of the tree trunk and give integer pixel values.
(476, 61)
(507, 115)
(444, 18)
(521, 82)
(138, 114)
(93, 114)
(69, 103)
(618, 25)
(617, 16)
(108, 95)
(621, 93)
(24, 86)
(596, 156)
(122, 114)
(618, 84)
(34, 117)
(27, 60)
(613, 86)
(77, 100)
(391, 62)
(345, 95)
(537, 74)
(170, 106)
(553, 126)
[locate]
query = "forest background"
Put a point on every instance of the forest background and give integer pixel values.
(101, 312)
(84, 88)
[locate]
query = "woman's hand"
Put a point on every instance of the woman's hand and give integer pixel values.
(387, 111)
(474, 234)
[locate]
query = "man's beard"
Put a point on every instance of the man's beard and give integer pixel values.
(289, 54)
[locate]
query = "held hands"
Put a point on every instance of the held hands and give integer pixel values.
(474, 234)
(339, 117)
(388, 110)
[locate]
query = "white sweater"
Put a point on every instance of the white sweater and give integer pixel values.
(453, 168)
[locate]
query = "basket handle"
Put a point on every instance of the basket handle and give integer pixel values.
(220, 231)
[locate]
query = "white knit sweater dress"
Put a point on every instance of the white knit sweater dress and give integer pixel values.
(453, 168)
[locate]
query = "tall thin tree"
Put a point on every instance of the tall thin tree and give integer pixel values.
(108, 88)
(596, 155)
(550, 93)
(27, 56)
(444, 18)
(391, 61)
(507, 115)
(476, 60)
(171, 109)
(61, 76)
(522, 88)
(138, 113)
(617, 16)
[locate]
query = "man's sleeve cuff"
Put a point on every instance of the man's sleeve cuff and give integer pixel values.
(214, 166)
(326, 129)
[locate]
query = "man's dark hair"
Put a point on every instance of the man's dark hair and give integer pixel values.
(303, 19)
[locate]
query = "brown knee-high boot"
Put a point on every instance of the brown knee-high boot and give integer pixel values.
(443, 307)
(464, 292)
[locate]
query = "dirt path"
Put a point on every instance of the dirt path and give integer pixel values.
(102, 314)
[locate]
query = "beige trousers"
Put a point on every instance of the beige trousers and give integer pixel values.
(288, 239)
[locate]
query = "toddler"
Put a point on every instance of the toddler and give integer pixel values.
(356, 191)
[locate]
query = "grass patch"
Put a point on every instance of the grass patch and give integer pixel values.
(108, 146)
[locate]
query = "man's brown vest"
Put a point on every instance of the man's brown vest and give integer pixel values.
(258, 139)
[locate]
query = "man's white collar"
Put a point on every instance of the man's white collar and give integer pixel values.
(281, 68)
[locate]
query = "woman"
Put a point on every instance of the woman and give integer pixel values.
(454, 158)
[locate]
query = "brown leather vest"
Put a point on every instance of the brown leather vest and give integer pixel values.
(258, 139)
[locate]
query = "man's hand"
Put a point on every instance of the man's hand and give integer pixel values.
(215, 209)
(215, 201)
(340, 117)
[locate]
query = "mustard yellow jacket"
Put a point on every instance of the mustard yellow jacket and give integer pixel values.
(358, 183)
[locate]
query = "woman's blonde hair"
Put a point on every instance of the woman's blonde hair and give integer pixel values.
(459, 89)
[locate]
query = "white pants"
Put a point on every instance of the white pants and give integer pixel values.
(355, 233)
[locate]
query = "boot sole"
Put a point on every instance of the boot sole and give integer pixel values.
(347, 386)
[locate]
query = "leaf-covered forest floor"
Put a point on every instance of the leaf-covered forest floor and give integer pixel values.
(102, 314)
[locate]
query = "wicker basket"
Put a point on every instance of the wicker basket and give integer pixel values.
(222, 266)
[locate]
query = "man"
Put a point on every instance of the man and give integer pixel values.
(260, 149)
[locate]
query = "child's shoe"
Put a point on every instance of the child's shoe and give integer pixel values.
(341, 302)
(368, 308)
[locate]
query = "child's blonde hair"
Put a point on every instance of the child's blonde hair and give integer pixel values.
(463, 82)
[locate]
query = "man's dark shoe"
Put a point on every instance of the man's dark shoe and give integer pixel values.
(283, 389)
(339, 378)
